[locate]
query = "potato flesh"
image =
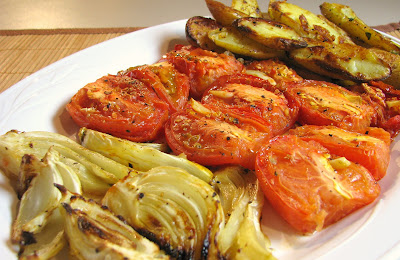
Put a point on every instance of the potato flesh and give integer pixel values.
(342, 61)
(305, 23)
(249, 7)
(224, 15)
(232, 40)
(346, 18)
(270, 33)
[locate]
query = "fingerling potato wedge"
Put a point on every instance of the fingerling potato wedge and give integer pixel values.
(272, 34)
(346, 18)
(394, 61)
(232, 40)
(196, 31)
(249, 7)
(341, 61)
(304, 22)
(223, 14)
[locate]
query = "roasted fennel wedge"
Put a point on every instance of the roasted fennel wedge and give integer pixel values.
(242, 201)
(39, 227)
(95, 171)
(38, 201)
(138, 156)
(94, 232)
(38, 142)
(173, 208)
(48, 242)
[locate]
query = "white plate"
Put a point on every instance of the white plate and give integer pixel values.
(38, 103)
(394, 39)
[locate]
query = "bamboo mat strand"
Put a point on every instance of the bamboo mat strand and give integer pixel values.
(23, 52)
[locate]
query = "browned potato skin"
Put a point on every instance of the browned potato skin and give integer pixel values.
(272, 34)
(337, 61)
(196, 31)
(305, 23)
(232, 40)
(344, 17)
(344, 37)
(394, 61)
(224, 15)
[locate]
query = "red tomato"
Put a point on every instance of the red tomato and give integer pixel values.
(212, 137)
(392, 125)
(252, 97)
(277, 70)
(386, 102)
(370, 149)
(121, 106)
(202, 66)
(324, 103)
(169, 84)
(301, 184)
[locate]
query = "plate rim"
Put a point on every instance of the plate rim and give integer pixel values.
(28, 79)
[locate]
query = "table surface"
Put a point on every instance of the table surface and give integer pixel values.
(44, 14)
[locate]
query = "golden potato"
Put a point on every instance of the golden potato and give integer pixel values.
(232, 40)
(305, 23)
(223, 14)
(249, 7)
(344, 17)
(394, 61)
(196, 31)
(341, 61)
(272, 34)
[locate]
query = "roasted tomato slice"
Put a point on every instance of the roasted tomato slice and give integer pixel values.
(324, 103)
(386, 101)
(370, 149)
(169, 84)
(121, 106)
(277, 70)
(202, 66)
(301, 183)
(212, 137)
(252, 97)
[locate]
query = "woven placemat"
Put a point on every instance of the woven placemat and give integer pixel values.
(23, 52)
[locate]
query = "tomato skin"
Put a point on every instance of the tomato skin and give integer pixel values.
(121, 106)
(169, 84)
(306, 191)
(211, 137)
(324, 103)
(392, 125)
(254, 98)
(386, 102)
(202, 66)
(370, 149)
